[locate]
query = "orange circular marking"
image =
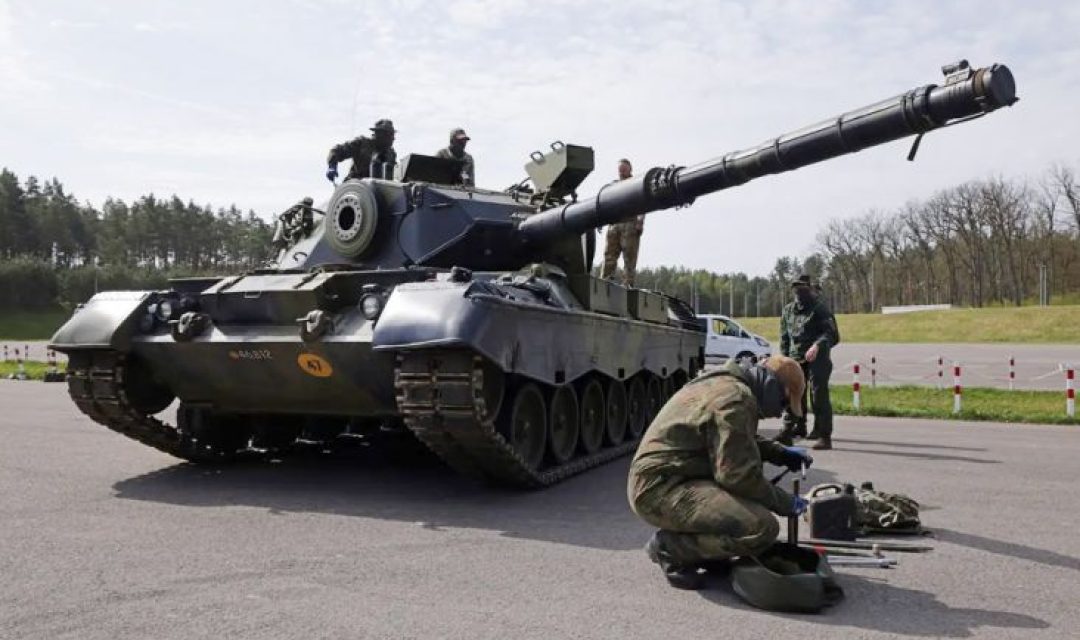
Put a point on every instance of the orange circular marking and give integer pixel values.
(314, 365)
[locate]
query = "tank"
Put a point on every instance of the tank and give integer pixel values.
(467, 316)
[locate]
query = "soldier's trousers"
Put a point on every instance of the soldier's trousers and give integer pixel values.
(817, 375)
(621, 238)
(703, 522)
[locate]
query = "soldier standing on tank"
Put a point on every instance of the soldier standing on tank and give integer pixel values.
(697, 474)
(456, 151)
(623, 237)
(808, 332)
(372, 157)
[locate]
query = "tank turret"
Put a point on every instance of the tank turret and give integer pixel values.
(419, 220)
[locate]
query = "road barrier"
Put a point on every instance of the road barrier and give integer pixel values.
(855, 397)
(20, 371)
(873, 372)
(1012, 373)
(940, 372)
(52, 373)
(958, 389)
(1070, 393)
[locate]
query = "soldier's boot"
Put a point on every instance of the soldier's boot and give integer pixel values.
(813, 435)
(823, 443)
(678, 575)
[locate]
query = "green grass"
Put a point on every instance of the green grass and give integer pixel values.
(35, 370)
(997, 405)
(31, 325)
(1047, 325)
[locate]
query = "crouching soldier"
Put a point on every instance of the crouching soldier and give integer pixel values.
(697, 475)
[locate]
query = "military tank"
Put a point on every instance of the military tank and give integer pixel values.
(467, 316)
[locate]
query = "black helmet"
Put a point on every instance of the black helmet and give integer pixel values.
(786, 577)
(384, 125)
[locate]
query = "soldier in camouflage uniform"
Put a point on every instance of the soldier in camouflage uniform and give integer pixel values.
(697, 474)
(364, 152)
(623, 237)
(456, 151)
(808, 333)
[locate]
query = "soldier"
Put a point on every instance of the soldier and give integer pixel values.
(377, 151)
(623, 237)
(697, 474)
(456, 151)
(808, 333)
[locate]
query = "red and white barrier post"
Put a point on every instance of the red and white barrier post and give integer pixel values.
(1012, 373)
(856, 400)
(5, 353)
(958, 389)
(873, 372)
(1070, 392)
(940, 372)
(20, 372)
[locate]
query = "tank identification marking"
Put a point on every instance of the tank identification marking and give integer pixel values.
(314, 365)
(250, 354)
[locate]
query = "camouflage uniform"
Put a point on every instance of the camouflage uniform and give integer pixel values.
(697, 474)
(468, 168)
(802, 326)
(362, 151)
(625, 238)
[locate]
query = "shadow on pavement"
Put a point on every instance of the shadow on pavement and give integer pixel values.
(841, 445)
(1011, 549)
(912, 445)
(589, 510)
(876, 605)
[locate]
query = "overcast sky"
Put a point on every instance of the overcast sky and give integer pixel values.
(238, 102)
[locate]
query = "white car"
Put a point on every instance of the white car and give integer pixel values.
(727, 339)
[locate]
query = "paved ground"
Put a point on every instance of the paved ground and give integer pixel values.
(102, 538)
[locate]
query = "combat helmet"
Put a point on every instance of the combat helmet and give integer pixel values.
(787, 578)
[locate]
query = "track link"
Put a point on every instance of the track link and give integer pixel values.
(440, 396)
(96, 384)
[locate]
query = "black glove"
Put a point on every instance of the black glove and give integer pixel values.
(795, 458)
(798, 505)
(331, 173)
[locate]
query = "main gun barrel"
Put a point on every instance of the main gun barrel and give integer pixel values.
(966, 93)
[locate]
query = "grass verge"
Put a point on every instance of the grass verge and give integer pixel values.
(997, 405)
(31, 325)
(35, 370)
(1045, 325)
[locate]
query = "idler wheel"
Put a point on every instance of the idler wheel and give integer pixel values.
(617, 410)
(635, 408)
(492, 389)
(525, 425)
(654, 399)
(591, 425)
(563, 424)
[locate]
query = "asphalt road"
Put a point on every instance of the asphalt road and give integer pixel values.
(103, 538)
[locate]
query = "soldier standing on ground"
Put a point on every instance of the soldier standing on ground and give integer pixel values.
(623, 237)
(697, 475)
(808, 333)
(456, 151)
(377, 151)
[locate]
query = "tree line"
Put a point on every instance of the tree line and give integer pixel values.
(54, 249)
(995, 241)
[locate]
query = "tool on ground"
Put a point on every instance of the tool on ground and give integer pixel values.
(831, 513)
(846, 561)
(883, 545)
(843, 551)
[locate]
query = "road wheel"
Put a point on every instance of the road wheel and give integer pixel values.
(563, 424)
(635, 404)
(525, 425)
(654, 399)
(616, 412)
(591, 425)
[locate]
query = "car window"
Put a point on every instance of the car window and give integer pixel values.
(724, 328)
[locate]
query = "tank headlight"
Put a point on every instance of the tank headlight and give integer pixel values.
(371, 306)
(165, 310)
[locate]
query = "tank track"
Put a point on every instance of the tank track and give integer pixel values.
(440, 396)
(96, 384)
